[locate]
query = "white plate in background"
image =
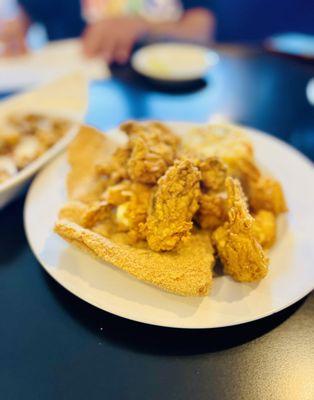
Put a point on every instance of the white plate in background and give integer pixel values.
(173, 62)
(67, 98)
(53, 61)
(15, 185)
(291, 274)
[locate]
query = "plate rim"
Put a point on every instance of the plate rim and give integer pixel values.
(145, 320)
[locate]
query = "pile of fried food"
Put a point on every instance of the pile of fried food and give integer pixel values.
(24, 138)
(167, 209)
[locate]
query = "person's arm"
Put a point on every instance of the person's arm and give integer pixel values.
(114, 38)
(12, 35)
(196, 25)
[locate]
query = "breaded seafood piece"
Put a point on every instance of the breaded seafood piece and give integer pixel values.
(246, 171)
(212, 211)
(187, 271)
(173, 206)
(86, 215)
(214, 173)
(266, 194)
(132, 200)
(115, 168)
(264, 228)
(229, 143)
(118, 193)
(242, 256)
(96, 212)
(132, 213)
(153, 150)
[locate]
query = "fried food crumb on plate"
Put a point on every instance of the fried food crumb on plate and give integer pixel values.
(165, 207)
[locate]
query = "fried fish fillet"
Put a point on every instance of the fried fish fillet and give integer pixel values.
(187, 271)
(88, 149)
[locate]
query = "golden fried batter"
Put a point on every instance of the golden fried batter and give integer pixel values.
(266, 194)
(264, 228)
(233, 147)
(153, 149)
(246, 171)
(86, 215)
(187, 271)
(241, 254)
(73, 211)
(214, 173)
(115, 168)
(173, 206)
(89, 148)
(227, 142)
(119, 193)
(132, 200)
(212, 211)
(96, 212)
(133, 213)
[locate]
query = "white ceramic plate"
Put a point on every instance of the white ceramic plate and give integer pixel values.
(173, 62)
(54, 60)
(291, 274)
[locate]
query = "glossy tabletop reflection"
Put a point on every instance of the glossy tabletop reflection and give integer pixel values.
(55, 346)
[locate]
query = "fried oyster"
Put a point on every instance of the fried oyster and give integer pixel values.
(242, 255)
(173, 206)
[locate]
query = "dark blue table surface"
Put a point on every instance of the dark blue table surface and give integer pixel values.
(249, 87)
(55, 346)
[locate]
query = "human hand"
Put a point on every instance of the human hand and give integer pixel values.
(12, 36)
(114, 38)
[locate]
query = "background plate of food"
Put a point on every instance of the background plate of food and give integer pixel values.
(35, 127)
(173, 62)
(177, 225)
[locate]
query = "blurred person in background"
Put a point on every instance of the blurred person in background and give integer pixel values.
(108, 28)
